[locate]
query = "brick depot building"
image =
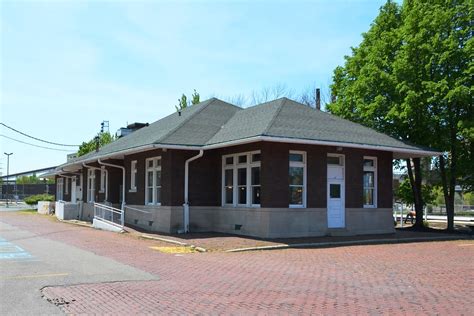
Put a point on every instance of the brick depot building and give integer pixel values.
(278, 169)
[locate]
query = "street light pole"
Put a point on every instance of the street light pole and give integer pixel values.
(8, 172)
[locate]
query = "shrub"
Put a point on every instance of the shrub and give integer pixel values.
(34, 199)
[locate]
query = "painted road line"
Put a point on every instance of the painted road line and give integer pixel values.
(9, 251)
(33, 276)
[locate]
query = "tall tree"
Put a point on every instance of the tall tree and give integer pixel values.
(411, 78)
(433, 69)
(184, 103)
(100, 140)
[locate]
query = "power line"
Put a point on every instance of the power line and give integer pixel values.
(38, 139)
(16, 140)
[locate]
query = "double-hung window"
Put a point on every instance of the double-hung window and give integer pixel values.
(90, 185)
(370, 182)
(241, 179)
(60, 189)
(66, 186)
(103, 179)
(297, 178)
(133, 176)
(153, 181)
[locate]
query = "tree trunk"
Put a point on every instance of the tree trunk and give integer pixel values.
(448, 194)
(415, 182)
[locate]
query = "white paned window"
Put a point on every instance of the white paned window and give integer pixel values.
(133, 176)
(90, 185)
(153, 181)
(241, 179)
(370, 182)
(66, 186)
(103, 179)
(297, 178)
(60, 189)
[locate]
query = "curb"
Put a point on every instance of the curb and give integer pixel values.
(349, 243)
(199, 249)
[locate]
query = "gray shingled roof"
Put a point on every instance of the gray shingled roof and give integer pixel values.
(216, 122)
(285, 118)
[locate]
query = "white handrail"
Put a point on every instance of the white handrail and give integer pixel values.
(106, 213)
(136, 209)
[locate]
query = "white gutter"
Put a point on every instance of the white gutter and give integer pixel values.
(123, 182)
(186, 190)
(321, 142)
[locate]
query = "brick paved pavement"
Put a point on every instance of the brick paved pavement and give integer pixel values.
(345, 280)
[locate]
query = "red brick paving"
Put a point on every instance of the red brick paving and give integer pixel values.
(346, 280)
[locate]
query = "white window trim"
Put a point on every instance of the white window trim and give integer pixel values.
(154, 168)
(299, 164)
(234, 167)
(91, 190)
(374, 169)
(133, 174)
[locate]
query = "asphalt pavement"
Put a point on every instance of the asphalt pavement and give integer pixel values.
(29, 262)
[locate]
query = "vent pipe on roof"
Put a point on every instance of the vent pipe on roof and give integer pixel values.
(318, 99)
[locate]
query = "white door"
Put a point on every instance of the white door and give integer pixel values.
(336, 192)
(73, 190)
(336, 210)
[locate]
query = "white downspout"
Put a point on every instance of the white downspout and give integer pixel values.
(123, 182)
(186, 190)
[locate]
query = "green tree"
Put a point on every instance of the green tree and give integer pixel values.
(184, 103)
(101, 139)
(434, 73)
(404, 193)
(33, 179)
(411, 78)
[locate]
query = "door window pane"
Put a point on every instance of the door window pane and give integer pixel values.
(150, 178)
(256, 195)
(243, 195)
(255, 157)
(242, 176)
(296, 195)
(255, 175)
(229, 177)
(158, 178)
(229, 161)
(229, 192)
(158, 195)
(335, 191)
(150, 195)
(243, 159)
(296, 175)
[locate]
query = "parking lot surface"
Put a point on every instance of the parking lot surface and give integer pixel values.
(419, 278)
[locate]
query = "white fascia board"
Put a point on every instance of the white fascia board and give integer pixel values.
(402, 152)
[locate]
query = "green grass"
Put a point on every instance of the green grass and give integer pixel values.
(29, 211)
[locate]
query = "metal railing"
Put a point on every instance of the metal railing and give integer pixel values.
(109, 214)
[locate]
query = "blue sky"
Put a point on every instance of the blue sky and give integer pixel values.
(67, 66)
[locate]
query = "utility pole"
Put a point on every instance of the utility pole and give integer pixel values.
(8, 172)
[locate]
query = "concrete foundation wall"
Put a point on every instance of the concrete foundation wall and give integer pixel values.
(67, 211)
(361, 221)
(87, 212)
(166, 219)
